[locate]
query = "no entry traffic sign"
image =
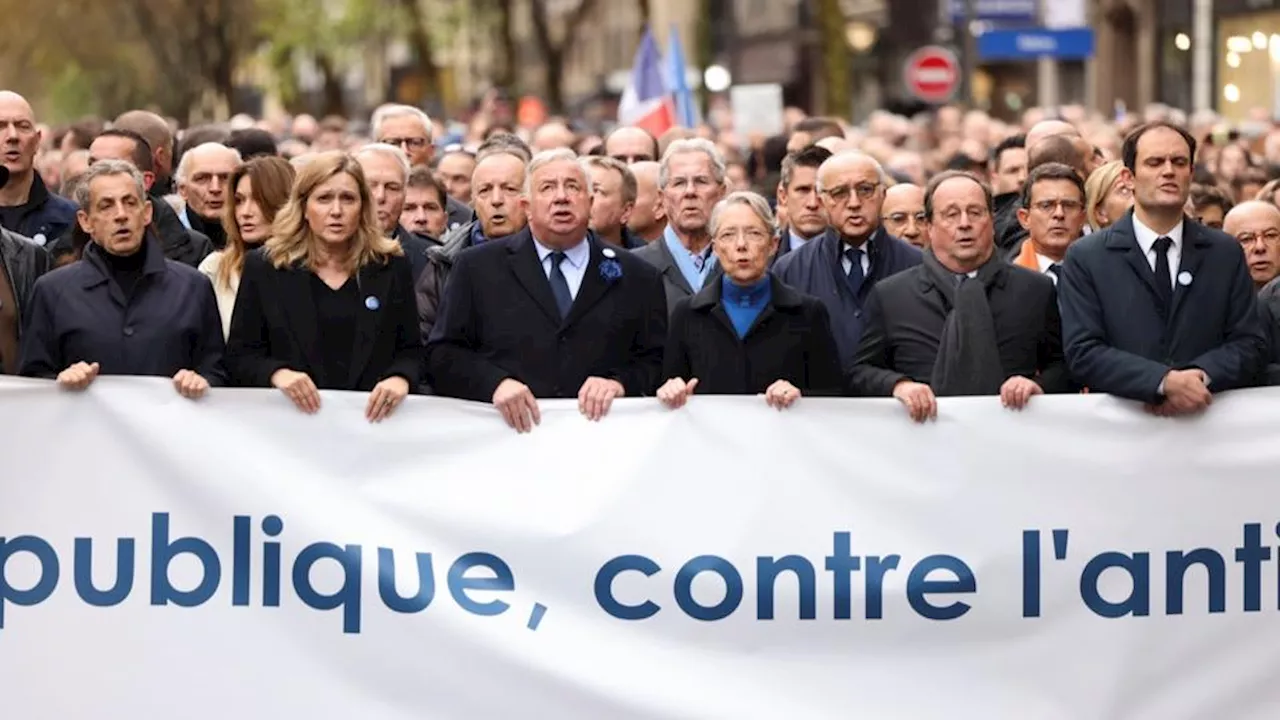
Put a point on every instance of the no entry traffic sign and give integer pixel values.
(932, 74)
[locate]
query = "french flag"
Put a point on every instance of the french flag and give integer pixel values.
(645, 102)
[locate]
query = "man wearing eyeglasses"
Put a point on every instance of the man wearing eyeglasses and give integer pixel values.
(903, 213)
(409, 128)
(841, 266)
(1052, 213)
(1256, 225)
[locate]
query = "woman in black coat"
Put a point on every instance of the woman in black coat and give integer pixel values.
(328, 302)
(749, 333)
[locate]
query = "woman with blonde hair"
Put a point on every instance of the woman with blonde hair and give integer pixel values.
(327, 303)
(259, 188)
(1108, 194)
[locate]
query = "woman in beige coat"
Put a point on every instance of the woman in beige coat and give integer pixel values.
(260, 188)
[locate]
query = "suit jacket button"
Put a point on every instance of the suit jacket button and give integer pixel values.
(128, 331)
(857, 314)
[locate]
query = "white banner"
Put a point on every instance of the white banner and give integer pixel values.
(233, 558)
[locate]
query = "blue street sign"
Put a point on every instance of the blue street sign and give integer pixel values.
(1033, 43)
(1023, 11)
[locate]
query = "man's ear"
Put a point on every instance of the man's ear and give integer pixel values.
(82, 218)
(1024, 218)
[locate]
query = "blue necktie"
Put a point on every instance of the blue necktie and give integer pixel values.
(560, 286)
(856, 275)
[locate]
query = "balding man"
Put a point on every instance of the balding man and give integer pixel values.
(204, 175)
(1061, 150)
(1050, 128)
(410, 129)
(552, 136)
(304, 128)
(631, 145)
(1256, 225)
(1049, 141)
(159, 137)
(841, 266)
(26, 205)
(649, 216)
(497, 183)
(903, 213)
(178, 243)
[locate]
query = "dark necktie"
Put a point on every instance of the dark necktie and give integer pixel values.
(1056, 270)
(1164, 279)
(856, 276)
(560, 286)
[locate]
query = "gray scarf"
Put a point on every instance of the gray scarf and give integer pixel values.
(968, 361)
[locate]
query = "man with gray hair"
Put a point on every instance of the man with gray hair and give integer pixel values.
(178, 242)
(123, 309)
(550, 312)
(204, 176)
(691, 179)
(386, 170)
(842, 265)
(409, 128)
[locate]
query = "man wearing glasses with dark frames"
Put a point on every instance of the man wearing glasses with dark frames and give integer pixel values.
(904, 213)
(1053, 215)
(841, 266)
(410, 129)
(1256, 225)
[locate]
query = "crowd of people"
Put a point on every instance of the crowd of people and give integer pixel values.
(945, 255)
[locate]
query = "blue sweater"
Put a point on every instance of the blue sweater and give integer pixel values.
(743, 303)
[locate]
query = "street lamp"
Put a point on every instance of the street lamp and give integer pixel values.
(716, 79)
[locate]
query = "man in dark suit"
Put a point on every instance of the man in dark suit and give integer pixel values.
(798, 199)
(179, 243)
(964, 322)
(549, 312)
(840, 266)
(692, 181)
(124, 309)
(1157, 308)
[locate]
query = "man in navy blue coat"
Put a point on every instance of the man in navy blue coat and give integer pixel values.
(1158, 308)
(123, 309)
(841, 266)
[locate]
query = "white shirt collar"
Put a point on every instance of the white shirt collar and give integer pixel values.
(576, 256)
(1146, 237)
(1045, 262)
